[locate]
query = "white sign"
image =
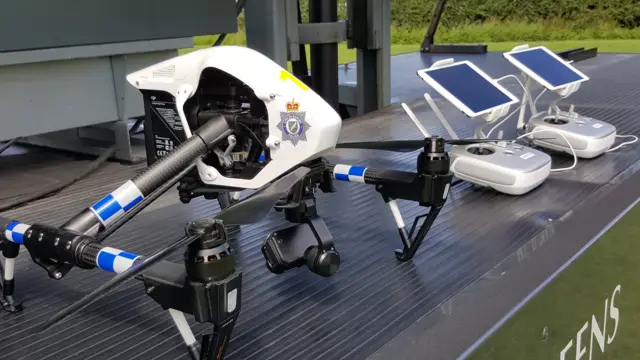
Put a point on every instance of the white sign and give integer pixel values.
(609, 320)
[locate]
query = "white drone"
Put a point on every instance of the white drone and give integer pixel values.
(302, 126)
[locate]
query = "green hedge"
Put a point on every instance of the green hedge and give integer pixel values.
(579, 13)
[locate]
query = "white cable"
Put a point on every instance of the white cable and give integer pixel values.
(518, 80)
(573, 152)
(526, 94)
(544, 90)
(505, 119)
(635, 139)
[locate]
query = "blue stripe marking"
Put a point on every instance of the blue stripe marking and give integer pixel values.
(106, 260)
(132, 204)
(341, 177)
(357, 170)
(103, 202)
(12, 225)
(107, 207)
(16, 237)
(127, 255)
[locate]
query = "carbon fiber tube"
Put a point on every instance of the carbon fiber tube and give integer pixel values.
(49, 243)
(380, 176)
(371, 176)
(89, 254)
(186, 153)
(95, 218)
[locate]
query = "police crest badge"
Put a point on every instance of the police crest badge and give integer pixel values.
(292, 123)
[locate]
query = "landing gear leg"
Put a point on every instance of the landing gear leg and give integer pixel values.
(208, 287)
(10, 252)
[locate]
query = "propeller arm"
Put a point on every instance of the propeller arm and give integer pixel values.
(411, 145)
(52, 247)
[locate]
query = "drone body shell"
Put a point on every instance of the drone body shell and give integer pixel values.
(302, 126)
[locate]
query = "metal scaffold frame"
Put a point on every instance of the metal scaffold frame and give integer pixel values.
(275, 28)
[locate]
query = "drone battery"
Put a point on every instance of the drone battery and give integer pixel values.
(508, 168)
(163, 129)
(588, 137)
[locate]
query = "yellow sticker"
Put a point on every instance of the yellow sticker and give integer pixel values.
(285, 75)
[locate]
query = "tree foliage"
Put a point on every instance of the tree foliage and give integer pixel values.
(581, 13)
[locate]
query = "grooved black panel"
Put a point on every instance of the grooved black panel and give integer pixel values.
(298, 315)
(37, 24)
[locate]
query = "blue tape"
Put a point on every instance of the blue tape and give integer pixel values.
(349, 173)
(105, 261)
(116, 204)
(357, 170)
(12, 225)
(114, 260)
(107, 207)
(14, 232)
(132, 204)
(128, 255)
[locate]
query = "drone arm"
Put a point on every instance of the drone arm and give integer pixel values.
(65, 246)
(50, 247)
(429, 190)
(109, 213)
(371, 176)
(115, 205)
(163, 280)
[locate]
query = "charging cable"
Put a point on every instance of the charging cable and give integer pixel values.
(555, 107)
(526, 94)
(503, 120)
(573, 152)
(635, 139)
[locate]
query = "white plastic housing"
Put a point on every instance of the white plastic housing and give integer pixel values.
(272, 84)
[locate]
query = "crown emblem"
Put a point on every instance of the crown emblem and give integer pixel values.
(293, 106)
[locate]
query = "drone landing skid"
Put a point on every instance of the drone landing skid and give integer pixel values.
(7, 285)
(207, 286)
(429, 187)
(427, 190)
(413, 239)
(166, 283)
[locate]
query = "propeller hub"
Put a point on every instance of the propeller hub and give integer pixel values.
(212, 233)
(434, 159)
(435, 145)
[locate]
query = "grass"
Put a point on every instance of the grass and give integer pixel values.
(499, 36)
(571, 299)
(506, 31)
(349, 55)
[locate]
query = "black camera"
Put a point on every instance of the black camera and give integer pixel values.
(309, 243)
